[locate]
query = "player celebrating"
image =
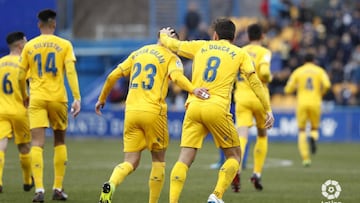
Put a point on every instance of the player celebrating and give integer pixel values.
(145, 124)
(47, 58)
(248, 106)
(13, 114)
(215, 66)
(311, 82)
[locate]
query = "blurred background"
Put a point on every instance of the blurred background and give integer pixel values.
(104, 33)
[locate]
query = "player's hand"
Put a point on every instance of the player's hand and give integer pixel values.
(75, 108)
(202, 93)
(269, 120)
(169, 31)
(99, 105)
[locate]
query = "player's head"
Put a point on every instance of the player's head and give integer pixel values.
(16, 40)
(47, 18)
(309, 57)
(173, 33)
(224, 28)
(254, 32)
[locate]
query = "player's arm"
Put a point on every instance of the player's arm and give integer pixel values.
(22, 84)
(290, 86)
(265, 73)
(183, 48)
(122, 70)
(256, 85)
(72, 79)
(23, 69)
(325, 83)
(177, 76)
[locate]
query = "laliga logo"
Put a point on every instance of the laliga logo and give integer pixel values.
(331, 189)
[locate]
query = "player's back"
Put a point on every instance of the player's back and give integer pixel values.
(46, 56)
(310, 80)
(215, 67)
(259, 55)
(11, 101)
(149, 78)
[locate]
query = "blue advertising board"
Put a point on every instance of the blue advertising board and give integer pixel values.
(338, 125)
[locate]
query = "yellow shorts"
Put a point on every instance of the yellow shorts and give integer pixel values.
(145, 130)
(246, 110)
(17, 125)
(305, 113)
(48, 113)
(202, 118)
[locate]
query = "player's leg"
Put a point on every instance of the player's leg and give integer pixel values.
(193, 133)
(157, 175)
(260, 148)
(38, 117)
(37, 162)
(58, 117)
(120, 172)
(314, 116)
(23, 142)
(303, 145)
(244, 120)
(260, 153)
(157, 134)
(134, 143)
(221, 126)
(179, 172)
(3, 145)
(5, 133)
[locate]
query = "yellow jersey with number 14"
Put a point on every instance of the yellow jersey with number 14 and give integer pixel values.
(45, 57)
(11, 101)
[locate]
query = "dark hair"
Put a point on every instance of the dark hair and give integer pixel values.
(254, 32)
(309, 57)
(173, 32)
(14, 37)
(46, 15)
(224, 28)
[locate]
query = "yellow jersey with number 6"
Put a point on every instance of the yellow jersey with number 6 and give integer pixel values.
(11, 101)
(45, 57)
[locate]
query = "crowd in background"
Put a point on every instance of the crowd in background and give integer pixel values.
(293, 27)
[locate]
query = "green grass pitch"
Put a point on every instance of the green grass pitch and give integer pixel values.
(91, 161)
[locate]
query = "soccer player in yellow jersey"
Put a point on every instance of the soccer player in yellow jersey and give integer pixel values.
(48, 58)
(248, 106)
(145, 124)
(310, 83)
(13, 114)
(216, 64)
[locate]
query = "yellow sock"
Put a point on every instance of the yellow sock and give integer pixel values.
(2, 164)
(25, 162)
(156, 181)
(120, 172)
(260, 152)
(60, 161)
(243, 143)
(177, 181)
(314, 134)
(226, 174)
(303, 146)
(37, 165)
